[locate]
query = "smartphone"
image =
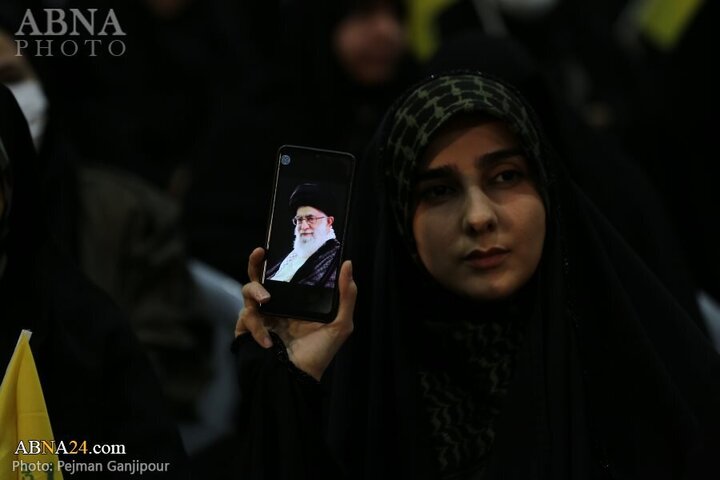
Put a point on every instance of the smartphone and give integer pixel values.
(306, 232)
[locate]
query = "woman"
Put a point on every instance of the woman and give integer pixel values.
(600, 167)
(97, 383)
(504, 329)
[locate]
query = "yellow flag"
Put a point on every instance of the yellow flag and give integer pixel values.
(24, 418)
(423, 33)
(664, 21)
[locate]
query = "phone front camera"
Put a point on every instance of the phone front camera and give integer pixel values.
(285, 159)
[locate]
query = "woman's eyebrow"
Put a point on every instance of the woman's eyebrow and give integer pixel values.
(483, 162)
(492, 158)
(435, 173)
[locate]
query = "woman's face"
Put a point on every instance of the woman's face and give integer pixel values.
(370, 43)
(479, 221)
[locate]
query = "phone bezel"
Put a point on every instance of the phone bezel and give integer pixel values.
(283, 291)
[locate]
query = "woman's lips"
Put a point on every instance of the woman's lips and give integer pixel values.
(486, 259)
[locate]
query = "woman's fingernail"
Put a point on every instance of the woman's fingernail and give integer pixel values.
(267, 343)
(263, 297)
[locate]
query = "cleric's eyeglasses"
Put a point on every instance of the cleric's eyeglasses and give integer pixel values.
(310, 219)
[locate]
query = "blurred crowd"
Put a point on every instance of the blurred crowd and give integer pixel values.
(162, 158)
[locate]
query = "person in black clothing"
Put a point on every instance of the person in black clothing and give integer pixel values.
(315, 256)
(677, 142)
(97, 382)
(610, 177)
(503, 329)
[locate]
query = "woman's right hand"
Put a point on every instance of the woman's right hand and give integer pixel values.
(311, 346)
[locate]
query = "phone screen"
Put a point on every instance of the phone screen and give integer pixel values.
(306, 232)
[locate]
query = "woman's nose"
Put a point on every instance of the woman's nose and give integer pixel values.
(479, 215)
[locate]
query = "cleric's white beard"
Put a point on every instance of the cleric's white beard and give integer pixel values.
(309, 245)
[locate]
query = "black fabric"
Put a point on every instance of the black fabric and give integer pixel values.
(312, 195)
(5, 203)
(296, 429)
(98, 384)
(462, 405)
(613, 379)
(680, 130)
(320, 269)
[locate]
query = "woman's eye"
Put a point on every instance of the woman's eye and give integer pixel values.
(508, 176)
(436, 192)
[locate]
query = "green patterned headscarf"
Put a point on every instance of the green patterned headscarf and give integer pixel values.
(431, 105)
